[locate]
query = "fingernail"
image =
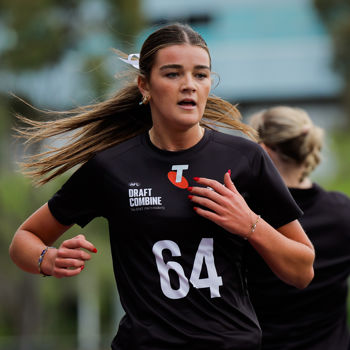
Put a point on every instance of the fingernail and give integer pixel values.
(229, 171)
(196, 178)
(195, 208)
(94, 250)
(82, 268)
(189, 188)
(190, 196)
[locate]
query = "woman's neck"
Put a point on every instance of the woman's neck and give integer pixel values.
(291, 176)
(290, 171)
(176, 141)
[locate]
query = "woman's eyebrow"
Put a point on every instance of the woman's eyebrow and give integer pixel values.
(179, 66)
(171, 66)
(202, 66)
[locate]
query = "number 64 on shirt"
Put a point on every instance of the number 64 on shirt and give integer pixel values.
(204, 255)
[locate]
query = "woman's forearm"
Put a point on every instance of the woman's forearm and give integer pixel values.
(37, 232)
(25, 251)
(291, 260)
(41, 230)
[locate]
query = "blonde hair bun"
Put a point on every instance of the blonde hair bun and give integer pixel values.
(290, 132)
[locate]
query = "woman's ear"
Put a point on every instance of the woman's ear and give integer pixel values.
(143, 85)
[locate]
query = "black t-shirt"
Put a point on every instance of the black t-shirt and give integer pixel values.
(181, 278)
(313, 318)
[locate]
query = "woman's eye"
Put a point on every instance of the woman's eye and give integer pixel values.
(201, 75)
(172, 74)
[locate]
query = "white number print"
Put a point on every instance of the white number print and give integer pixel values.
(163, 269)
(204, 255)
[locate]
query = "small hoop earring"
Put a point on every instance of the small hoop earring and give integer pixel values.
(145, 100)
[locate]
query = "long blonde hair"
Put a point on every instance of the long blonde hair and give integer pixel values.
(291, 133)
(98, 126)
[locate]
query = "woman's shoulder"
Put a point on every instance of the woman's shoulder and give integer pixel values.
(333, 198)
(117, 150)
(339, 197)
(241, 146)
(235, 139)
(102, 160)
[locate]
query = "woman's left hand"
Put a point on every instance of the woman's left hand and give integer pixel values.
(226, 207)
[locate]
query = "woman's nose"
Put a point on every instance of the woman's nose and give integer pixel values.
(188, 83)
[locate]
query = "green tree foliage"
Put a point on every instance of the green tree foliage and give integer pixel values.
(34, 23)
(129, 20)
(40, 32)
(336, 15)
(340, 144)
(21, 310)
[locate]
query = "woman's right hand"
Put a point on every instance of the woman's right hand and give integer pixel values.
(69, 259)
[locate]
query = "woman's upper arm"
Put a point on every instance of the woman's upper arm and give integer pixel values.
(294, 231)
(44, 225)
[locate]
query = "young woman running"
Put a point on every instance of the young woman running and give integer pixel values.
(181, 199)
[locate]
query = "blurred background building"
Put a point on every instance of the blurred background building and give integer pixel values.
(263, 50)
(57, 55)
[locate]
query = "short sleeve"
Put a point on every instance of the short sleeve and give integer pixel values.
(274, 201)
(79, 199)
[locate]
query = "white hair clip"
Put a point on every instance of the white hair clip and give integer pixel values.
(133, 59)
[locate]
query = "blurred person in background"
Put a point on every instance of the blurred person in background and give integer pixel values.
(153, 166)
(314, 318)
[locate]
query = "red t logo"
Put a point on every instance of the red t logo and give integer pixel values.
(176, 178)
